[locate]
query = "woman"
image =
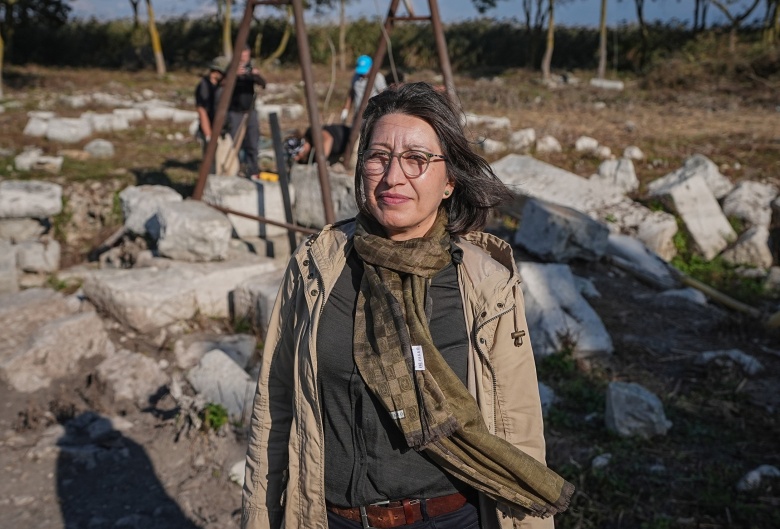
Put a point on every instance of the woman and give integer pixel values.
(397, 386)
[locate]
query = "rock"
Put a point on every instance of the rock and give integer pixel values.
(559, 234)
(149, 298)
(241, 348)
(217, 282)
(100, 148)
(105, 427)
(129, 114)
(586, 144)
(219, 380)
(307, 209)
(192, 231)
(255, 198)
(76, 101)
(690, 294)
(771, 283)
(603, 152)
(50, 164)
(703, 218)
(548, 144)
(522, 140)
(632, 411)
(634, 153)
(140, 205)
(110, 100)
(9, 281)
(619, 174)
(601, 461)
(253, 299)
(586, 287)
(607, 84)
(697, 165)
(144, 299)
(159, 113)
(749, 365)
(558, 316)
(489, 122)
(45, 115)
(528, 176)
(751, 202)
(25, 160)
(237, 472)
(34, 256)
(18, 230)
(630, 253)
(752, 480)
(107, 122)
(489, 146)
(34, 362)
(36, 127)
(751, 249)
(131, 377)
(68, 130)
(29, 198)
(184, 116)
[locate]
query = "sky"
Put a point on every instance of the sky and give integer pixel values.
(571, 13)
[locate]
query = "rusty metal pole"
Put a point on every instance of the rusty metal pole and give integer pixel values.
(228, 85)
(441, 47)
(314, 112)
(379, 56)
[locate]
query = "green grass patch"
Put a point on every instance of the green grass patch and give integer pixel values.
(214, 416)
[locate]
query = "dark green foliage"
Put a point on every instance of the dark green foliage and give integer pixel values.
(479, 46)
(214, 416)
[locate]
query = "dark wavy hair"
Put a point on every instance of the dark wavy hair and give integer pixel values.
(477, 188)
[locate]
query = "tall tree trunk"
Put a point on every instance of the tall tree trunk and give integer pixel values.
(134, 4)
(2, 53)
(548, 51)
(343, 35)
(603, 41)
(155, 38)
(640, 15)
(283, 42)
(227, 33)
(771, 29)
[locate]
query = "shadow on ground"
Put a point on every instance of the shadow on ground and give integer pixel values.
(106, 480)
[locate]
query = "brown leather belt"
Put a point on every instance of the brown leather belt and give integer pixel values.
(401, 512)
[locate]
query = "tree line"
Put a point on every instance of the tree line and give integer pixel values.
(41, 31)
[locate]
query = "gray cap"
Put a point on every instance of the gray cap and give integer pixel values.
(219, 64)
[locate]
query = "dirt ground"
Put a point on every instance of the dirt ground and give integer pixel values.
(156, 475)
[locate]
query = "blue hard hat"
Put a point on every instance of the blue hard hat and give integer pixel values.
(363, 65)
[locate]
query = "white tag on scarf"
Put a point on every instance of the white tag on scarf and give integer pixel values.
(397, 414)
(419, 360)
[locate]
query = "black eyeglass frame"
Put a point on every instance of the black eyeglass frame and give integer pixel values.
(428, 157)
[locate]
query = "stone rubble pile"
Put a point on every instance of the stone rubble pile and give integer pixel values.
(28, 249)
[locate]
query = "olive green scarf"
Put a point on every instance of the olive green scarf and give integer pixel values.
(431, 406)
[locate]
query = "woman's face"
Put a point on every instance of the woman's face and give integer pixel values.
(406, 207)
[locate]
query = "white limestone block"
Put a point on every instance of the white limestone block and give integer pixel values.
(68, 130)
(557, 312)
(751, 202)
(548, 144)
(29, 198)
(193, 231)
(140, 205)
(697, 165)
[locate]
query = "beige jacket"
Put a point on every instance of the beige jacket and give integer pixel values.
(285, 482)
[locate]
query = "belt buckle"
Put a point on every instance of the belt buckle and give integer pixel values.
(364, 518)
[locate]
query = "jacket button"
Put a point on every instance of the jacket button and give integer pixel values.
(484, 314)
(306, 262)
(499, 305)
(481, 340)
(314, 292)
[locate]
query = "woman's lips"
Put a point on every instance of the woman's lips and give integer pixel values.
(393, 199)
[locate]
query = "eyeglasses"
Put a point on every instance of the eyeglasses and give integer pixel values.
(413, 163)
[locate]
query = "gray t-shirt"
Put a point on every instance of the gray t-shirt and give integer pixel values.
(359, 83)
(367, 459)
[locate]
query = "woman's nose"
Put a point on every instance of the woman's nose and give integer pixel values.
(394, 174)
